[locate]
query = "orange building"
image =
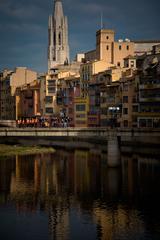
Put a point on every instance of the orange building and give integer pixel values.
(28, 100)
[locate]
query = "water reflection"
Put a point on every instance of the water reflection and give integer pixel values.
(78, 196)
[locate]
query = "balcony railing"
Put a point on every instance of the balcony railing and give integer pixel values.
(149, 86)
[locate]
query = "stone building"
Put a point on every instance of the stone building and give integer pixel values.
(108, 50)
(58, 48)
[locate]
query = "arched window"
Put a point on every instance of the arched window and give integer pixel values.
(54, 38)
(59, 38)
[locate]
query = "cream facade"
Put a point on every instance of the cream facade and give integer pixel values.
(51, 82)
(87, 70)
(9, 81)
(110, 51)
(122, 50)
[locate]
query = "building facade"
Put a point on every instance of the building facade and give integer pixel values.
(108, 50)
(28, 100)
(9, 82)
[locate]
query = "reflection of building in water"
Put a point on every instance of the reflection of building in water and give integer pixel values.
(80, 180)
(135, 168)
(59, 219)
(86, 172)
(112, 224)
(81, 172)
(23, 179)
(5, 176)
(23, 183)
(128, 173)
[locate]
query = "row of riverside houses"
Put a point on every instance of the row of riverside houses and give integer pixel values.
(110, 86)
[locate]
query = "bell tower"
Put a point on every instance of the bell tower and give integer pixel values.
(58, 48)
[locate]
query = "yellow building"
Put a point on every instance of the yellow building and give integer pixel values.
(110, 51)
(42, 80)
(81, 108)
(50, 93)
(87, 70)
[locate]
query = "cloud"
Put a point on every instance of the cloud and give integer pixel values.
(24, 24)
(21, 11)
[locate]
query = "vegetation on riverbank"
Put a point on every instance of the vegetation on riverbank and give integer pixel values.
(8, 150)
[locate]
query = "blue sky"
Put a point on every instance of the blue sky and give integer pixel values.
(24, 26)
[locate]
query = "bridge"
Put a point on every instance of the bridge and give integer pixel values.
(111, 139)
(124, 134)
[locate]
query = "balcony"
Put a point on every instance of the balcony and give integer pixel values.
(149, 86)
(149, 99)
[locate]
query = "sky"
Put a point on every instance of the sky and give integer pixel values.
(24, 26)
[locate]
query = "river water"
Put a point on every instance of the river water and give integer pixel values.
(72, 194)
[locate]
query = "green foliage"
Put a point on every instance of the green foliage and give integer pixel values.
(8, 150)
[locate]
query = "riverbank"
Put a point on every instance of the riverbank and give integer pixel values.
(7, 150)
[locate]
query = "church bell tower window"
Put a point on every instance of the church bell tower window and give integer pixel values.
(59, 37)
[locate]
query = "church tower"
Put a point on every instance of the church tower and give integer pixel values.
(58, 48)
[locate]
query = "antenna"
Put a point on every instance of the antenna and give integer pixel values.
(101, 20)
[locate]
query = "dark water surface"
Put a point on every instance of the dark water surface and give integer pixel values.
(74, 195)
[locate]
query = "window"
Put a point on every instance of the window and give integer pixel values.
(132, 63)
(107, 37)
(127, 47)
(59, 37)
(80, 122)
(54, 38)
(125, 123)
(80, 107)
(51, 82)
(125, 111)
(107, 47)
(51, 89)
(49, 110)
(125, 99)
(49, 99)
(80, 115)
(125, 88)
(118, 64)
(135, 108)
(120, 47)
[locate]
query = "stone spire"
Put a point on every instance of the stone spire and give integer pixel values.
(58, 48)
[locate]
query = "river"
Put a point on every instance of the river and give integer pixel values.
(74, 195)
